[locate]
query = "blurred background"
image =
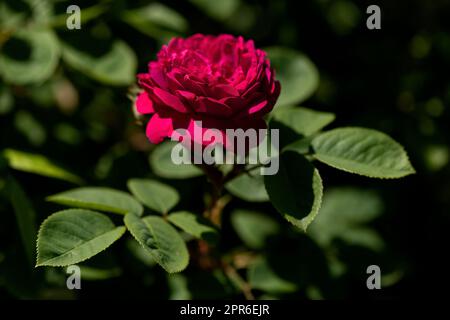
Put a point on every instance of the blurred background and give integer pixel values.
(65, 100)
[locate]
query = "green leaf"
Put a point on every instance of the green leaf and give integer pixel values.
(17, 276)
(195, 225)
(115, 67)
(302, 146)
(161, 240)
(11, 17)
(155, 20)
(95, 274)
(219, 10)
(140, 253)
(296, 190)
(71, 236)
(30, 56)
(101, 267)
(178, 285)
(29, 127)
(86, 14)
(6, 100)
(303, 121)
(154, 194)
(344, 214)
(162, 164)
(25, 216)
(249, 187)
(262, 277)
(253, 227)
(363, 151)
(298, 76)
(38, 164)
(99, 198)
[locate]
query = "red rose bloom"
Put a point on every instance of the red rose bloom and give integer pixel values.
(223, 81)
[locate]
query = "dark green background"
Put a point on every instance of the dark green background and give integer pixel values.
(395, 80)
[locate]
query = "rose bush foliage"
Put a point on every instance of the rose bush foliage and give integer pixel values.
(222, 81)
(227, 83)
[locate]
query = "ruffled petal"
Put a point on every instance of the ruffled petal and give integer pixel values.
(170, 100)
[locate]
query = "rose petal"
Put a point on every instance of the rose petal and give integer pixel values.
(258, 107)
(159, 128)
(212, 107)
(170, 100)
(143, 104)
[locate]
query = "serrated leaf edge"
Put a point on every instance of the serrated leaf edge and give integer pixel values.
(412, 170)
(150, 251)
(64, 265)
(94, 206)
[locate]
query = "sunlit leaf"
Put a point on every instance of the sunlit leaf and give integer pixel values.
(71, 236)
(37, 164)
(154, 194)
(99, 198)
(161, 240)
(363, 151)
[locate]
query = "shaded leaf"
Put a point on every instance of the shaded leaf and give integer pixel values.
(140, 253)
(249, 187)
(155, 20)
(345, 212)
(290, 263)
(162, 164)
(96, 274)
(219, 10)
(30, 128)
(195, 225)
(115, 67)
(39, 55)
(298, 76)
(262, 277)
(25, 216)
(6, 100)
(296, 190)
(302, 146)
(253, 227)
(178, 285)
(303, 121)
